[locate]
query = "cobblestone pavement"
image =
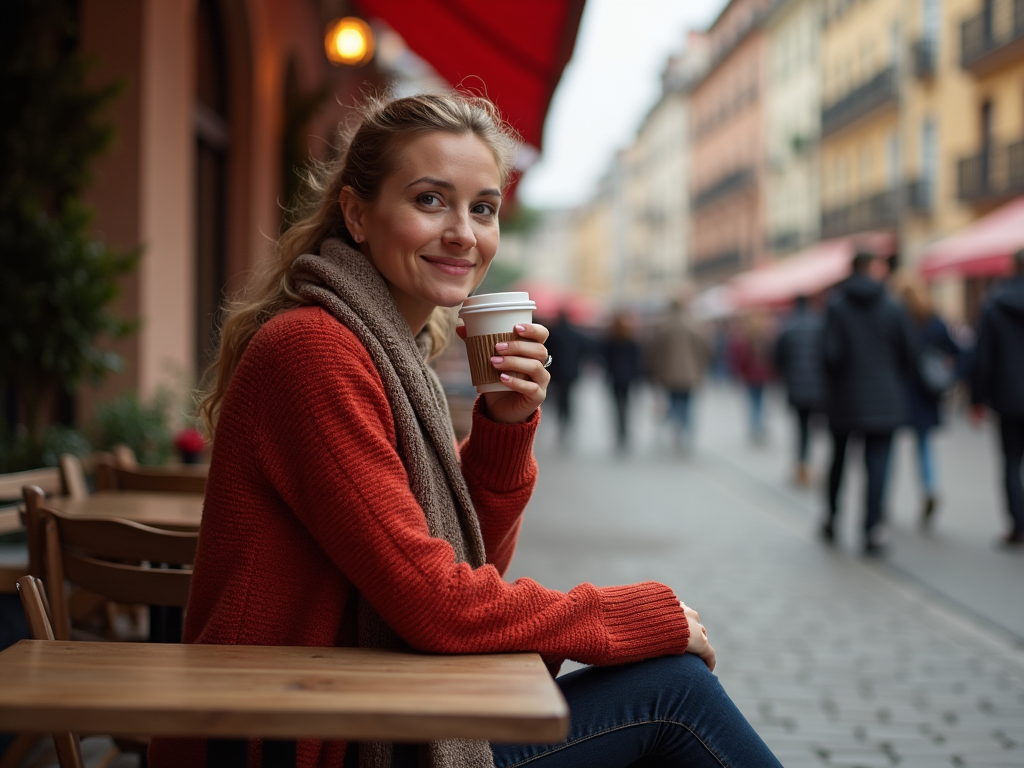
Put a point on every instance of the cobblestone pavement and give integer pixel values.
(835, 660)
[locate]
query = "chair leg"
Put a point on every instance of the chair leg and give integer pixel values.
(69, 751)
(23, 744)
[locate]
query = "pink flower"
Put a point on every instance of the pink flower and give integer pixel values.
(190, 440)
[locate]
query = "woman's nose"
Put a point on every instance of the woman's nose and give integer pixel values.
(459, 231)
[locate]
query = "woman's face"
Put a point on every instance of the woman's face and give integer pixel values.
(433, 229)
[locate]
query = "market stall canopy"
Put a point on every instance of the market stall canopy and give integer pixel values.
(982, 249)
(809, 272)
(515, 50)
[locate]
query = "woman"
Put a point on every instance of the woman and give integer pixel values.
(931, 338)
(751, 356)
(339, 510)
(621, 354)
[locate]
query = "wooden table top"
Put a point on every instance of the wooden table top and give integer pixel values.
(178, 510)
(277, 692)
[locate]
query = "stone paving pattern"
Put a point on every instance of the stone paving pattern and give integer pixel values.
(837, 661)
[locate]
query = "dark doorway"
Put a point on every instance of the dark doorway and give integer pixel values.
(212, 146)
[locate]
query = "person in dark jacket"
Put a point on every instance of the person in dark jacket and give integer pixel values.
(924, 396)
(997, 380)
(568, 347)
(798, 359)
(868, 354)
(621, 354)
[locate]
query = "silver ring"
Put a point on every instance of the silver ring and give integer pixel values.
(547, 363)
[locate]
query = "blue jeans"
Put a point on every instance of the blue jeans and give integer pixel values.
(669, 712)
(756, 394)
(679, 410)
(926, 461)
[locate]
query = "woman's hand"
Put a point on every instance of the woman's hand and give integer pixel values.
(699, 645)
(524, 356)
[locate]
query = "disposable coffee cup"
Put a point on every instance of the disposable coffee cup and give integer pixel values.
(491, 318)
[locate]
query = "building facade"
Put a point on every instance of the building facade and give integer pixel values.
(196, 177)
(793, 126)
(727, 146)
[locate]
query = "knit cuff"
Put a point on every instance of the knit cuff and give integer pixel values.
(500, 456)
(643, 621)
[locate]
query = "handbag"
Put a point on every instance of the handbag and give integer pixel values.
(936, 370)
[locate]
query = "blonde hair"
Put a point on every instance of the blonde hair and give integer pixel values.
(369, 153)
(916, 297)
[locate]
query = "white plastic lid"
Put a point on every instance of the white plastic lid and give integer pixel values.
(489, 302)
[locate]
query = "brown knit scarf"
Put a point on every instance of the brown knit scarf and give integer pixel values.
(346, 284)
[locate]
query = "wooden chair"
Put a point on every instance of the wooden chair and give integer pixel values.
(72, 476)
(37, 609)
(112, 476)
(125, 457)
(108, 557)
(49, 479)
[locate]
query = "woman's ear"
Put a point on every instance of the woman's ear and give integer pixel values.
(353, 209)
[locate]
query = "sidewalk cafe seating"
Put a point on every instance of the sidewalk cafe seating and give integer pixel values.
(51, 481)
(119, 560)
(112, 475)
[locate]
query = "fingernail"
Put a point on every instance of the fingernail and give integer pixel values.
(501, 346)
(506, 377)
(520, 328)
(497, 360)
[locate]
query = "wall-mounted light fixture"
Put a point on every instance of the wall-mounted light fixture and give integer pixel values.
(349, 41)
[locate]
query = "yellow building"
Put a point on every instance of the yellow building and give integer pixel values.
(990, 165)
(937, 129)
(861, 151)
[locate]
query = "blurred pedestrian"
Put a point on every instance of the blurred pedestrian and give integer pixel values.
(868, 354)
(751, 355)
(679, 353)
(621, 354)
(935, 373)
(997, 380)
(798, 359)
(568, 347)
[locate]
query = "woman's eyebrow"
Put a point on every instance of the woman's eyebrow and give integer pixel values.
(436, 182)
(432, 181)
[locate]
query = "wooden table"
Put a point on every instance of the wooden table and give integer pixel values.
(233, 691)
(162, 510)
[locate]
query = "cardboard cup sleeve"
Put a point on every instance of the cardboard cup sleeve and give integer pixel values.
(480, 350)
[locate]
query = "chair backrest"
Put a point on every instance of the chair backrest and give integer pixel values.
(110, 476)
(72, 476)
(125, 457)
(119, 559)
(48, 479)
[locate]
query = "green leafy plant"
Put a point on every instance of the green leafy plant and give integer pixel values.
(145, 427)
(57, 282)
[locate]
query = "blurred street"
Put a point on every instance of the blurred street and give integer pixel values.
(913, 660)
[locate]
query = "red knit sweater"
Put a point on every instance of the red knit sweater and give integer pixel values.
(307, 498)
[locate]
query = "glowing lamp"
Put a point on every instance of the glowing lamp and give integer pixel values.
(349, 41)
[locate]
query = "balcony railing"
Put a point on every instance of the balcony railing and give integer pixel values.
(993, 37)
(925, 58)
(877, 92)
(921, 195)
(728, 184)
(725, 261)
(995, 173)
(874, 212)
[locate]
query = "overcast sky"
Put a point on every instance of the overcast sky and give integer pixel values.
(614, 77)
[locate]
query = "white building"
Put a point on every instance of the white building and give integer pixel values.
(793, 98)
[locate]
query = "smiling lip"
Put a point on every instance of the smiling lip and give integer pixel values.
(450, 266)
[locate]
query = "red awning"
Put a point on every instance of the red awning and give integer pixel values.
(554, 299)
(806, 273)
(981, 249)
(515, 49)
